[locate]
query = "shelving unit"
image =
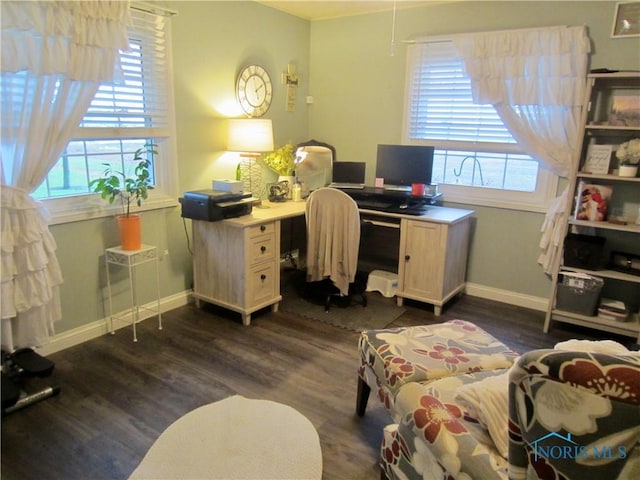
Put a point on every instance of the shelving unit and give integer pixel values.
(597, 129)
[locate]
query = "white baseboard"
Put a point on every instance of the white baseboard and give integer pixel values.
(506, 296)
(76, 336)
(98, 328)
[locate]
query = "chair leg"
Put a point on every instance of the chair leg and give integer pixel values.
(383, 475)
(362, 397)
(364, 299)
(327, 303)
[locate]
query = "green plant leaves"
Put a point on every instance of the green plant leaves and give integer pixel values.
(114, 184)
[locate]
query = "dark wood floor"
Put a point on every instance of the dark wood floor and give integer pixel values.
(117, 396)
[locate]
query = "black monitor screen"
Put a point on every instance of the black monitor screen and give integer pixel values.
(402, 165)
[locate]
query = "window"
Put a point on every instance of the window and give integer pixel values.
(476, 160)
(124, 116)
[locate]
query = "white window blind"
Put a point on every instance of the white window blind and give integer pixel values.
(137, 99)
(133, 110)
(476, 158)
(440, 103)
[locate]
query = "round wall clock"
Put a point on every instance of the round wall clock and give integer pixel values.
(254, 90)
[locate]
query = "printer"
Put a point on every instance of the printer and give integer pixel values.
(213, 205)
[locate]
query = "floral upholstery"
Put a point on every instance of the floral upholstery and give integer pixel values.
(574, 415)
(436, 438)
(561, 404)
(392, 358)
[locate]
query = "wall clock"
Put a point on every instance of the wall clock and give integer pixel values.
(254, 90)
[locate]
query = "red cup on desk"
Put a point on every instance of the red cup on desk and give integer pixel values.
(417, 189)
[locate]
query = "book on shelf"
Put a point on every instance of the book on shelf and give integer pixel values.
(592, 203)
(610, 309)
(598, 159)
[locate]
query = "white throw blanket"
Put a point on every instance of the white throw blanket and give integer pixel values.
(600, 346)
(488, 401)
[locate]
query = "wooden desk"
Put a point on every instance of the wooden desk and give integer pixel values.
(236, 262)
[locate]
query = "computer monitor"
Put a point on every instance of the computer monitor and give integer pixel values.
(349, 172)
(402, 165)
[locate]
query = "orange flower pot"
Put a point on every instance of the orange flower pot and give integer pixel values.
(130, 232)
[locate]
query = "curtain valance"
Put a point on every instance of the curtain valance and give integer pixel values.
(78, 39)
(542, 67)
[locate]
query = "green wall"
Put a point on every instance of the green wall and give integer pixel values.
(358, 90)
(352, 65)
(212, 41)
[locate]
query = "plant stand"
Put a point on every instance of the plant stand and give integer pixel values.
(132, 259)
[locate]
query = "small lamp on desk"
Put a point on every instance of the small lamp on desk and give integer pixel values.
(251, 137)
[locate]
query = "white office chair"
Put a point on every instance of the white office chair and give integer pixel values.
(333, 238)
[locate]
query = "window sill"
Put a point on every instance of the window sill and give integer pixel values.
(497, 200)
(91, 207)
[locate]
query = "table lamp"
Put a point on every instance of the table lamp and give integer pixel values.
(250, 137)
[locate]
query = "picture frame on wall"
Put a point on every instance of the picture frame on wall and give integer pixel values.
(626, 20)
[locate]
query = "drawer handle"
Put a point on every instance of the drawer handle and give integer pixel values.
(263, 249)
(263, 277)
(262, 228)
(407, 258)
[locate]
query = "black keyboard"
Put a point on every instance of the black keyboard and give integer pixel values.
(391, 207)
(373, 204)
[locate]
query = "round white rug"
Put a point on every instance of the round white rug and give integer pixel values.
(235, 438)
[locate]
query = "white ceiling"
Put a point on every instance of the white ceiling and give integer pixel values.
(325, 9)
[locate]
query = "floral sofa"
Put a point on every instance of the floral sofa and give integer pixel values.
(463, 410)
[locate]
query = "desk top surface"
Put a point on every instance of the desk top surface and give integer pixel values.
(270, 211)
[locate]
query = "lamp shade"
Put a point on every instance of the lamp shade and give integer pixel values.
(250, 135)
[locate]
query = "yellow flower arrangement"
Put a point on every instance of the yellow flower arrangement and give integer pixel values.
(281, 160)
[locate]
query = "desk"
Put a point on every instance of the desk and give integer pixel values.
(236, 262)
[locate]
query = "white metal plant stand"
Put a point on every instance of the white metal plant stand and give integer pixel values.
(132, 259)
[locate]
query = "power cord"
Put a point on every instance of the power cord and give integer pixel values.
(186, 234)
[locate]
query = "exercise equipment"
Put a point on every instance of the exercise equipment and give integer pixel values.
(17, 368)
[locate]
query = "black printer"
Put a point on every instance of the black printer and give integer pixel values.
(213, 205)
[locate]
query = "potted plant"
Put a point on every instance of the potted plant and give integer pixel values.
(629, 155)
(117, 185)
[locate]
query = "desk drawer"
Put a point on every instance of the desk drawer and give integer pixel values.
(261, 248)
(263, 284)
(264, 229)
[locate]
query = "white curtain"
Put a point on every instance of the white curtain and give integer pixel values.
(536, 80)
(54, 56)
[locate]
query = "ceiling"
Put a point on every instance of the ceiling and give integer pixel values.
(325, 9)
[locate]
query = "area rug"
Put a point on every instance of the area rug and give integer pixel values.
(236, 438)
(379, 312)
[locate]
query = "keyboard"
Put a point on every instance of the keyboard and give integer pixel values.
(390, 207)
(347, 186)
(373, 204)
